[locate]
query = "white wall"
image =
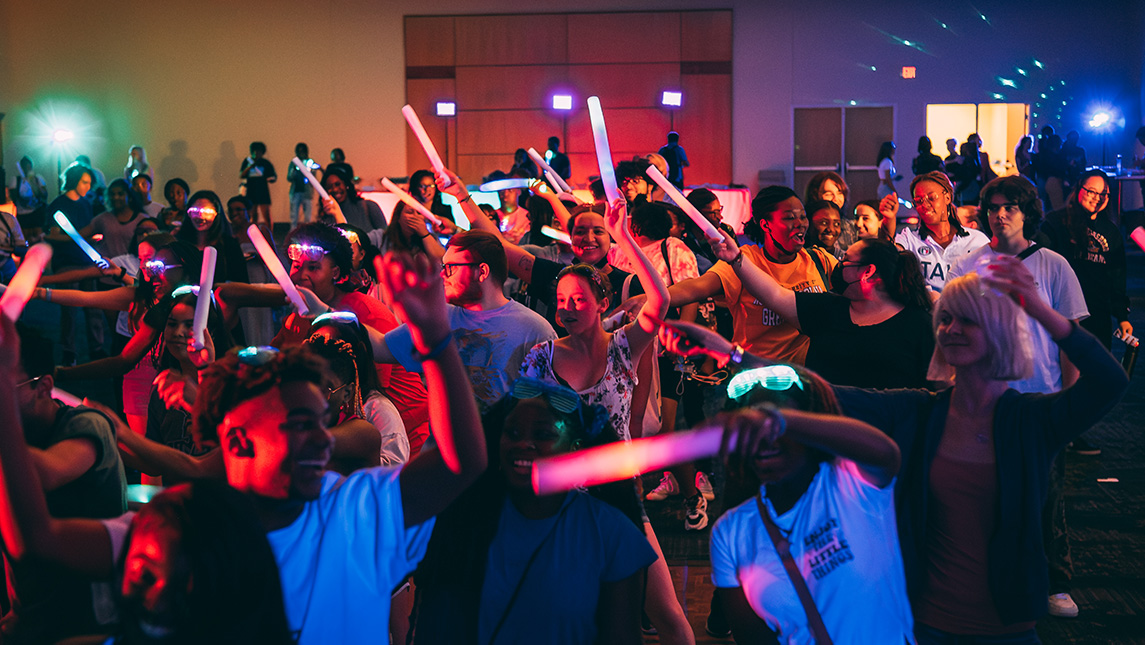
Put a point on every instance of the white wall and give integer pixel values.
(218, 75)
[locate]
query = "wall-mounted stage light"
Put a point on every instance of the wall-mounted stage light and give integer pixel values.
(672, 99)
(62, 135)
(562, 102)
(446, 108)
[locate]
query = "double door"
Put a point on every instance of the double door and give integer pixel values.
(845, 140)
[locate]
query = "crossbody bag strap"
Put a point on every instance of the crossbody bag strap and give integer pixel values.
(783, 547)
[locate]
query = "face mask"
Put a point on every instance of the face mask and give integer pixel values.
(839, 284)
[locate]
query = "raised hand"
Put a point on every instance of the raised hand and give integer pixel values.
(751, 431)
(314, 305)
(201, 356)
(726, 248)
(616, 219)
(1010, 276)
(456, 187)
(889, 207)
(331, 208)
(414, 288)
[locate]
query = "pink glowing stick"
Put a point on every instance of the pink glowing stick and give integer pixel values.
(23, 284)
(559, 236)
(1138, 236)
(203, 304)
(426, 143)
(544, 165)
(67, 398)
(305, 170)
(603, 153)
(410, 201)
(276, 269)
(678, 198)
(617, 461)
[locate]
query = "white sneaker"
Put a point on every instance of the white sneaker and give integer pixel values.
(1062, 606)
(695, 513)
(666, 488)
(704, 486)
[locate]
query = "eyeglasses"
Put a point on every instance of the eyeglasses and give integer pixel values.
(447, 268)
(563, 399)
(1095, 193)
(713, 211)
(995, 208)
(331, 390)
(203, 213)
(30, 381)
(257, 356)
(156, 268)
(311, 252)
(929, 197)
(772, 377)
(631, 180)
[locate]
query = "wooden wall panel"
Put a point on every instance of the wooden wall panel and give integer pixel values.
(423, 95)
(471, 168)
(624, 86)
(630, 131)
(503, 131)
(509, 87)
(583, 166)
(624, 37)
(512, 40)
(706, 36)
(704, 123)
(429, 41)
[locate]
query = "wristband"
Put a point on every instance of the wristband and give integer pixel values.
(467, 198)
(47, 295)
(436, 351)
(122, 273)
(736, 355)
(737, 261)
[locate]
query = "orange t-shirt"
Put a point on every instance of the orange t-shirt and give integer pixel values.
(758, 329)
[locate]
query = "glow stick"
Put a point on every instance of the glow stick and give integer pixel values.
(203, 305)
(426, 143)
(617, 461)
(676, 196)
(66, 225)
(67, 398)
(603, 153)
(410, 201)
(276, 269)
(559, 236)
(544, 165)
(504, 184)
(310, 177)
(1138, 236)
(24, 283)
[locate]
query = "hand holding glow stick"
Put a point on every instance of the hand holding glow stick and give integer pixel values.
(23, 284)
(676, 196)
(513, 183)
(410, 201)
(603, 153)
(67, 227)
(617, 461)
(276, 269)
(203, 304)
(424, 140)
(559, 236)
(544, 165)
(302, 168)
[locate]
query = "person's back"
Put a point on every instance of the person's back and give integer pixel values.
(677, 159)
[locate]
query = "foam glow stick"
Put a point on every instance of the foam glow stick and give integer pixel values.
(426, 143)
(504, 184)
(276, 269)
(66, 397)
(302, 168)
(410, 201)
(603, 153)
(559, 236)
(1138, 236)
(617, 461)
(678, 198)
(203, 304)
(24, 283)
(544, 165)
(66, 225)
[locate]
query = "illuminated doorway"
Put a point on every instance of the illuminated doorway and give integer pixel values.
(1000, 125)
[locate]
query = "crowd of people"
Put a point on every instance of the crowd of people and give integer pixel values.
(898, 394)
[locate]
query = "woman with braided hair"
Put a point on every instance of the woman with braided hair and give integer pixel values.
(357, 443)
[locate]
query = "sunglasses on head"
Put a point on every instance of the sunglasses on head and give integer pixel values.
(309, 252)
(563, 399)
(336, 316)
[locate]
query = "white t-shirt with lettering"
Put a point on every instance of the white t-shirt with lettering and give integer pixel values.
(935, 260)
(843, 538)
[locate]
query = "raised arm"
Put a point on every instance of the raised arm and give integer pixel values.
(118, 299)
(642, 330)
(562, 215)
(520, 261)
(144, 338)
(756, 281)
(435, 478)
(888, 213)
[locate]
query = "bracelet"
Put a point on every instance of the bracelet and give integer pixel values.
(122, 273)
(47, 295)
(436, 351)
(467, 198)
(424, 236)
(737, 261)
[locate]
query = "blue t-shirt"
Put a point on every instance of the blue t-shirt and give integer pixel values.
(492, 345)
(593, 544)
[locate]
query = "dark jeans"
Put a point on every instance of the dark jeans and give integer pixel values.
(1055, 536)
(931, 636)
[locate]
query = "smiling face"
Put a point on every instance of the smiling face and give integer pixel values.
(832, 192)
(335, 186)
(932, 202)
(828, 225)
(633, 186)
(866, 221)
(578, 309)
(202, 214)
(531, 432)
(425, 190)
(786, 226)
(317, 275)
(238, 215)
(1093, 195)
(590, 240)
(178, 330)
(961, 339)
(177, 197)
(169, 279)
(276, 444)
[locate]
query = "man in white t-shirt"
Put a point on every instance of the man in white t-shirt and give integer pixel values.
(1014, 213)
(941, 240)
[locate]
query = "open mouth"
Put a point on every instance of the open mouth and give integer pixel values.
(769, 452)
(522, 466)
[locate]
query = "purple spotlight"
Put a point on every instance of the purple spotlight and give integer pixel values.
(672, 99)
(446, 108)
(562, 102)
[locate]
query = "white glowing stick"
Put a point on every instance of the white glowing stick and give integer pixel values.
(617, 461)
(410, 201)
(603, 153)
(66, 225)
(302, 168)
(1138, 236)
(276, 269)
(559, 236)
(203, 304)
(67, 398)
(24, 283)
(678, 198)
(498, 185)
(426, 143)
(544, 165)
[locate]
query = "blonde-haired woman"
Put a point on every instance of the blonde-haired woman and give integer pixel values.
(976, 457)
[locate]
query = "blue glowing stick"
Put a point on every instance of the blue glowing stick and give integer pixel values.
(66, 225)
(504, 184)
